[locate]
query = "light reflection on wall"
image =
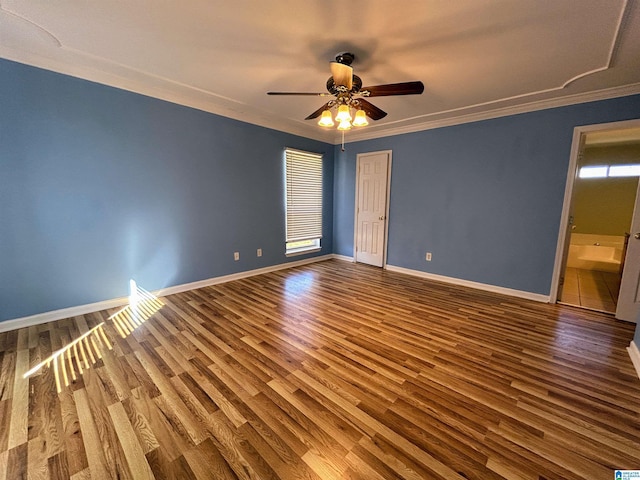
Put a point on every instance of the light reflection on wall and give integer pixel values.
(83, 352)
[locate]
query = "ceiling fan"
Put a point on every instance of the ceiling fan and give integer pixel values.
(348, 92)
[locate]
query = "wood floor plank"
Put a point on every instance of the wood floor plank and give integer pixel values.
(207, 463)
(605, 435)
(5, 408)
(96, 460)
(38, 466)
(208, 382)
(374, 426)
(170, 401)
(133, 452)
(7, 371)
(81, 475)
(402, 465)
(19, 416)
(550, 450)
(17, 465)
(237, 452)
(323, 467)
(168, 436)
(323, 437)
(331, 370)
(59, 466)
(3, 464)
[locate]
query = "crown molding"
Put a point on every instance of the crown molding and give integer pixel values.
(604, 94)
(165, 89)
(184, 95)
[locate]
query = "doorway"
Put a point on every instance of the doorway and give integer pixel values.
(373, 174)
(600, 207)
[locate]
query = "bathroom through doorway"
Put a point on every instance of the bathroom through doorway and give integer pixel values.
(599, 227)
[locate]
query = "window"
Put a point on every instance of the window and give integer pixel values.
(593, 172)
(303, 185)
(624, 170)
(604, 171)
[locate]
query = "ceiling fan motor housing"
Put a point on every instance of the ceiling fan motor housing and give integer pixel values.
(345, 58)
(333, 89)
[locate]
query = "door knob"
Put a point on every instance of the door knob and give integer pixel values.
(637, 235)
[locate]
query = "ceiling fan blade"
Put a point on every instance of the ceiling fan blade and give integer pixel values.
(373, 112)
(342, 74)
(312, 94)
(406, 88)
(318, 112)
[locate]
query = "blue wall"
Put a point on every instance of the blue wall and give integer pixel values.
(485, 198)
(99, 185)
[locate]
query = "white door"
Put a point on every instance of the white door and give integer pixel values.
(371, 207)
(629, 298)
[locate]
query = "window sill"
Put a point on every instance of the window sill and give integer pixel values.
(302, 251)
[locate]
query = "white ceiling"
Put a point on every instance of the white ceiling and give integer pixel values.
(477, 58)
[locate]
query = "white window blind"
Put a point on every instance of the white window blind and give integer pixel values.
(303, 195)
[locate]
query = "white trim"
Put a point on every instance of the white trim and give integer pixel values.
(54, 315)
(387, 202)
(370, 132)
(343, 258)
(634, 353)
(162, 88)
(237, 276)
(388, 207)
(39, 318)
(303, 251)
(467, 283)
(144, 83)
(576, 147)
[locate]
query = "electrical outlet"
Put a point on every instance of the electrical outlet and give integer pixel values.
(236, 256)
(259, 252)
(428, 256)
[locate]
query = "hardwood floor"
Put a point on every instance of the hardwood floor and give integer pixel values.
(327, 371)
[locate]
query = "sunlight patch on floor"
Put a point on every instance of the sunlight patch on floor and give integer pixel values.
(83, 352)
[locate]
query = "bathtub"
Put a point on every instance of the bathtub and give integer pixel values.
(596, 252)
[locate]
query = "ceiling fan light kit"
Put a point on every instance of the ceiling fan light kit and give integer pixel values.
(361, 119)
(344, 125)
(344, 115)
(348, 91)
(326, 120)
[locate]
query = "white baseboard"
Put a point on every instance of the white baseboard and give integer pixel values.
(634, 353)
(54, 315)
(236, 276)
(467, 283)
(343, 258)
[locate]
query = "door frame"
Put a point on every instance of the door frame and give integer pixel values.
(387, 202)
(563, 237)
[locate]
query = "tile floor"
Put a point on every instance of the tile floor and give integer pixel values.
(591, 289)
